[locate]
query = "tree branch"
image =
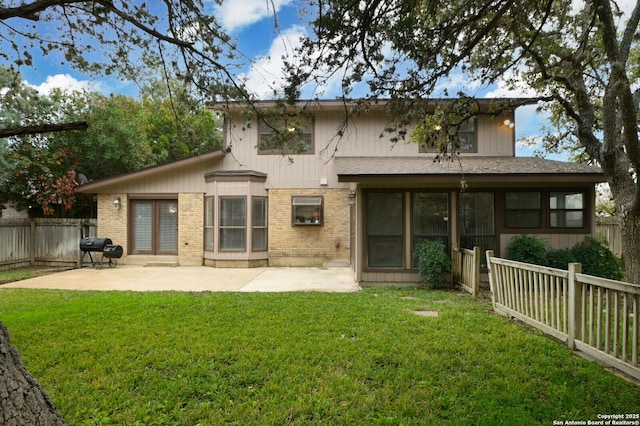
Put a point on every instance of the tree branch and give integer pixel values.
(42, 128)
(31, 10)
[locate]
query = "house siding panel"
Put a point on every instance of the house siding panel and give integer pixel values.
(556, 241)
(306, 170)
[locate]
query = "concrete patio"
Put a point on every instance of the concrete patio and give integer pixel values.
(195, 278)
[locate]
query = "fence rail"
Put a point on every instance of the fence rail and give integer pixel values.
(597, 316)
(42, 241)
(466, 269)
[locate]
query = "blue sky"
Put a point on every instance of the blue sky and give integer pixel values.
(251, 23)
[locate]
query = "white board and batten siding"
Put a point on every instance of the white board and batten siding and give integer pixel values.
(361, 138)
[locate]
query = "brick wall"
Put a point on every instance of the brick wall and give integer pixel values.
(112, 223)
(190, 229)
(308, 245)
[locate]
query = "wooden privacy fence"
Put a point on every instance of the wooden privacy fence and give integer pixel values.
(465, 269)
(608, 228)
(42, 241)
(597, 316)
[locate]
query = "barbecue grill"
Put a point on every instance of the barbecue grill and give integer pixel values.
(104, 246)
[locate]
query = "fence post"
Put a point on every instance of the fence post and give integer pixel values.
(475, 280)
(492, 284)
(574, 310)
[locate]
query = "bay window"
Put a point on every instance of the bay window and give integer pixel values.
(208, 223)
(259, 224)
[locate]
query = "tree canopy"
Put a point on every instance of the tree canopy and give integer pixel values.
(122, 37)
(579, 58)
(123, 135)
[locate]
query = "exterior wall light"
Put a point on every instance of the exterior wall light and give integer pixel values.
(352, 197)
(508, 123)
(117, 203)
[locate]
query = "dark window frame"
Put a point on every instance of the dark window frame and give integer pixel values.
(565, 211)
(546, 227)
(462, 130)
(266, 126)
(521, 210)
(383, 239)
(415, 238)
(304, 214)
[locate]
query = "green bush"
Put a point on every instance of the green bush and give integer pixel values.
(560, 258)
(433, 263)
(597, 259)
(593, 254)
(525, 248)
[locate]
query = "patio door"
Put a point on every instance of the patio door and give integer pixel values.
(476, 221)
(154, 227)
(430, 219)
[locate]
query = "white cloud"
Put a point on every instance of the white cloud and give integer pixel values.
(234, 14)
(266, 76)
(65, 82)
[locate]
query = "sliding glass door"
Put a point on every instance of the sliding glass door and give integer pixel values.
(154, 226)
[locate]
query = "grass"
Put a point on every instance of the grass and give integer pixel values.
(18, 274)
(299, 358)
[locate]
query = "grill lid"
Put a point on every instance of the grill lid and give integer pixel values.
(94, 244)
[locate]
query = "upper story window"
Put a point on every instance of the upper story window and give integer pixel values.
(462, 138)
(292, 134)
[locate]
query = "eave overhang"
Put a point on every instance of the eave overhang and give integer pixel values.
(485, 171)
(94, 187)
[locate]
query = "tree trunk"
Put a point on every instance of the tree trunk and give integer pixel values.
(630, 230)
(22, 400)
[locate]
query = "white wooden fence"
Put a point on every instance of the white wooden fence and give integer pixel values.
(25, 242)
(466, 269)
(598, 316)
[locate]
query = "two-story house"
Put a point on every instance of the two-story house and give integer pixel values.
(344, 195)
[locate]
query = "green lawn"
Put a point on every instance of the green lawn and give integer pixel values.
(300, 358)
(18, 274)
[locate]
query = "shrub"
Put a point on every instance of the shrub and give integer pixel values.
(524, 248)
(433, 263)
(597, 259)
(593, 254)
(560, 258)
